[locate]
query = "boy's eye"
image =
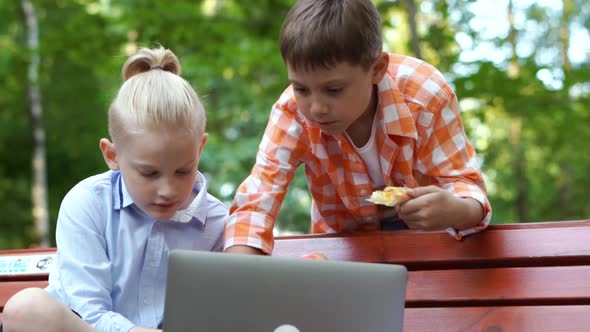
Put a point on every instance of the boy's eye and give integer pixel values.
(299, 89)
(148, 174)
(334, 90)
(184, 171)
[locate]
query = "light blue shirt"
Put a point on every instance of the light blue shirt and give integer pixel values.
(112, 258)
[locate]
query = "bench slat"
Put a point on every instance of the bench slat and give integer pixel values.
(26, 252)
(9, 288)
(514, 318)
(538, 319)
(556, 285)
(496, 247)
(501, 286)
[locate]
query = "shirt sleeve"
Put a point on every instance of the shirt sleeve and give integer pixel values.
(445, 154)
(82, 276)
(259, 198)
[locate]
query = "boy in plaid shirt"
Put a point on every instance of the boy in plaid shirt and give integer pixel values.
(358, 119)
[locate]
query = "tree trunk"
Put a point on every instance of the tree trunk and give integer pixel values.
(513, 66)
(38, 160)
(565, 184)
(411, 10)
(519, 161)
(519, 165)
(564, 35)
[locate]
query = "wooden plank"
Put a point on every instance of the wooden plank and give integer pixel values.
(522, 244)
(497, 319)
(9, 288)
(30, 251)
(506, 286)
(567, 285)
(496, 247)
(544, 224)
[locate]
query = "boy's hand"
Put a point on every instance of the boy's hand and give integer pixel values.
(244, 250)
(315, 256)
(433, 208)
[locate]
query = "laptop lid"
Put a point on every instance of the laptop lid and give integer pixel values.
(208, 291)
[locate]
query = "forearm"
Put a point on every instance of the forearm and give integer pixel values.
(238, 249)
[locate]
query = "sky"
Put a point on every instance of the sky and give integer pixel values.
(491, 20)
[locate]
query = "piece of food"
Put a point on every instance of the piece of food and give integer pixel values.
(389, 196)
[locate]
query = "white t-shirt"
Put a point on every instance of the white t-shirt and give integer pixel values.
(370, 156)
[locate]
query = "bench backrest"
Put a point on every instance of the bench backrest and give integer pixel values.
(510, 277)
(516, 277)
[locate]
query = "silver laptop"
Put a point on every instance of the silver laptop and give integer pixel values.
(213, 292)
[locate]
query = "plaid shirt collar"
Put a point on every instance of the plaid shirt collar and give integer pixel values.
(396, 116)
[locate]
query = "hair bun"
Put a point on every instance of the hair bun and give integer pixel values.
(148, 59)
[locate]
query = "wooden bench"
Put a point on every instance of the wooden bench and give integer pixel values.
(514, 277)
(517, 277)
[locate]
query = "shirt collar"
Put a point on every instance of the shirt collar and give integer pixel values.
(196, 211)
(198, 208)
(393, 110)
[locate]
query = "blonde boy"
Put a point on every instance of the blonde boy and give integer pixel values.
(116, 229)
(358, 119)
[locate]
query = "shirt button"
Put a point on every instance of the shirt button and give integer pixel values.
(147, 301)
(364, 192)
(369, 219)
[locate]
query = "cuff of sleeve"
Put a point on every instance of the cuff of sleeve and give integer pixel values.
(113, 322)
(254, 232)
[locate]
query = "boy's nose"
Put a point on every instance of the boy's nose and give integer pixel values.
(318, 108)
(166, 189)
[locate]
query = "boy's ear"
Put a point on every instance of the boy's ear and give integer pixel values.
(203, 141)
(109, 153)
(380, 67)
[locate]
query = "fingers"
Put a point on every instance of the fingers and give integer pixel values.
(421, 191)
(408, 208)
(418, 212)
(315, 256)
(425, 208)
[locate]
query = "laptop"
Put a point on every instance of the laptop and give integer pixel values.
(212, 291)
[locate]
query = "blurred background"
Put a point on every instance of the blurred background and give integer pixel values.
(521, 70)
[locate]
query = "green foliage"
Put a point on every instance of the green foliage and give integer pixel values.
(531, 135)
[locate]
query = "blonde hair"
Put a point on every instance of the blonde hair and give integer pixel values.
(154, 96)
(322, 33)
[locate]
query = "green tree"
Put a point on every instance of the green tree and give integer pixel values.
(528, 125)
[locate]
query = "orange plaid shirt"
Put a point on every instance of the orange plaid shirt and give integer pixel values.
(421, 141)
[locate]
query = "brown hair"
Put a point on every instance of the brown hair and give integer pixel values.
(325, 32)
(154, 95)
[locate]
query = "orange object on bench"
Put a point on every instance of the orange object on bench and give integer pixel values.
(514, 277)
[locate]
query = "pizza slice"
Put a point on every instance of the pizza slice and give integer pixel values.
(389, 196)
